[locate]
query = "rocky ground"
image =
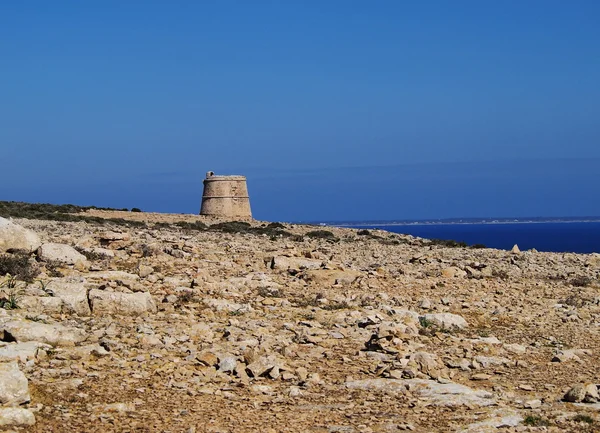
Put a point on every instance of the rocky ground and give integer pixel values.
(161, 327)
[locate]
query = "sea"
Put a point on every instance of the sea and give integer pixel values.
(554, 236)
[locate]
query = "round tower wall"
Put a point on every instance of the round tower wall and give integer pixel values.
(226, 196)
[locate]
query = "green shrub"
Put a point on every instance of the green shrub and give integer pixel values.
(18, 265)
(581, 281)
(321, 234)
(536, 421)
(231, 227)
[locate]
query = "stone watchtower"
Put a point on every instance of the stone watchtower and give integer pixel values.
(225, 196)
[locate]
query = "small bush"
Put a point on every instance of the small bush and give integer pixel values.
(275, 226)
(321, 234)
(581, 281)
(583, 418)
(449, 243)
(478, 246)
(10, 301)
(136, 209)
(19, 266)
(196, 225)
(91, 255)
(231, 227)
(536, 421)
(363, 233)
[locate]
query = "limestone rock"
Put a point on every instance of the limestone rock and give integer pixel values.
(331, 277)
(73, 294)
(41, 304)
(14, 387)
(20, 351)
(295, 264)
(53, 252)
(438, 394)
(446, 320)
(453, 272)
(15, 237)
(16, 417)
(129, 304)
(515, 249)
(583, 392)
(52, 334)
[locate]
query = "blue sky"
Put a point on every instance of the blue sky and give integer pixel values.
(333, 109)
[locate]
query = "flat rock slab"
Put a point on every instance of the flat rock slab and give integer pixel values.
(52, 334)
(126, 304)
(14, 387)
(295, 263)
(446, 320)
(21, 351)
(439, 394)
(60, 253)
(501, 419)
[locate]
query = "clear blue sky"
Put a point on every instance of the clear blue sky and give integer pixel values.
(334, 109)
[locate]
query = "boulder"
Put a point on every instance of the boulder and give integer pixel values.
(127, 304)
(52, 334)
(14, 387)
(583, 392)
(515, 249)
(15, 237)
(61, 253)
(16, 417)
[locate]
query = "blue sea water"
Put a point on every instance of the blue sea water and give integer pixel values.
(578, 237)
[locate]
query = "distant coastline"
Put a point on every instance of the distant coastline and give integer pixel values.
(460, 221)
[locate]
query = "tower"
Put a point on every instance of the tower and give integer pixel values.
(226, 197)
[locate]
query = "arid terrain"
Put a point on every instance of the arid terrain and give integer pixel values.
(207, 326)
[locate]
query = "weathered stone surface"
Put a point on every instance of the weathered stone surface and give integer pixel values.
(15, 237)
(295, 263)
(331, 276)
(20, 351)
(439, 394)
(498, 420)
(583, 392)
(41, 304)
(446, 320)
(14, 387)
(16, 417)
(72, 293)
(60, 253)
(52, 334)
(105, 302)
(453, 272)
